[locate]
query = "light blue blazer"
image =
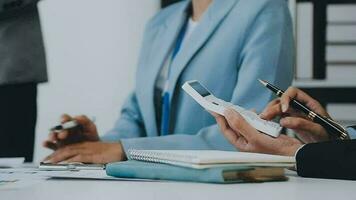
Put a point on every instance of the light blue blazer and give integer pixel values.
(235, 43)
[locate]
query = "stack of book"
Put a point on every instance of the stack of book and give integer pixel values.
(202, 166)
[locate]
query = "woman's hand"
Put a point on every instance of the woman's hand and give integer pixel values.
(308, 131)
(86, 132)
(246, 138)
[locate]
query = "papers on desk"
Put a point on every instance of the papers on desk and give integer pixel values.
(70, 166)
(89, 175)
(17, 178)
(24, 177)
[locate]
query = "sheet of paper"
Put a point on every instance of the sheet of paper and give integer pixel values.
(17, 178)
(89, 175)
(11, 162)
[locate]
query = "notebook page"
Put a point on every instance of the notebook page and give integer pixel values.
(206, 157)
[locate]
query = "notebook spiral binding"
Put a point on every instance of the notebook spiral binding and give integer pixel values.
(158, 157)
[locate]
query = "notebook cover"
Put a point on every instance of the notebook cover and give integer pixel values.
(156, 171)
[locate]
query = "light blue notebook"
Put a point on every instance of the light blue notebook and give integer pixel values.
(157, 171)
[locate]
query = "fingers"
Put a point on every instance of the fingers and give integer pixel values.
(65, 118)
(88, 128)
(64, 153)
(87, 158)
(51, 142)
(274, 110)
(271, 112)
(50, 145)
(75, 134)
(301, 124)
(222, 123)
(230, 135)
(294, 93)
(83, 120)
(214, 114)
(238, 124)
(53, 136)
(63, 135)
(287, 97)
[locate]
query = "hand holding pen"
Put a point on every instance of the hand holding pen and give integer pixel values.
(76, 139)
(303, 114)
(71, 130)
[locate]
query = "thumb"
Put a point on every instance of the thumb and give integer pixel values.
(239, 124)
(66, 118)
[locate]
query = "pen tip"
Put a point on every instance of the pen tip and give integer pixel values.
(263, 82)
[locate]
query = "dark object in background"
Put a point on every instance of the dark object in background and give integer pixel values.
(165, 3)
(17, 120)
(22, 67)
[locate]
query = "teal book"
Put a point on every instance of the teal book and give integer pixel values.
(231, 174)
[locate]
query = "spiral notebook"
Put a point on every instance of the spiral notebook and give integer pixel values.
(202, 159)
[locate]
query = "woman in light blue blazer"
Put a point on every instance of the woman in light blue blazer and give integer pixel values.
(226, 45)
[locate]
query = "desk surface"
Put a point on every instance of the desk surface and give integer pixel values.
(296, 188)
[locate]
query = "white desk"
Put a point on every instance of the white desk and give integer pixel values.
(296, 188)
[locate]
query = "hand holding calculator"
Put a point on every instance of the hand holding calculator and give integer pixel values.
(211, 103)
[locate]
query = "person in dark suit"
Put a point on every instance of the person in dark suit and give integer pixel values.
(22, 67)
(317, 155)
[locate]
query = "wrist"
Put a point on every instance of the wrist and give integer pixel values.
(291, 150)
(122, 153)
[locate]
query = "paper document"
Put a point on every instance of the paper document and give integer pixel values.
(89, 175)
(18, 178)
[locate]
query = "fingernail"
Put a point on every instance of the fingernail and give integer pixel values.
(284, 108)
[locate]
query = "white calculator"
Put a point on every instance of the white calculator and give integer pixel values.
(208, 101)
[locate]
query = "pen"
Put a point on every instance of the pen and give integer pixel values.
(68, 125)
(65, 126)
(332, 127)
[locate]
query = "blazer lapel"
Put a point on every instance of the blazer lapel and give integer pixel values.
(160, 51)
(210, 21)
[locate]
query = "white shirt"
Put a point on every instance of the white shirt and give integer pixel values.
(161, 79)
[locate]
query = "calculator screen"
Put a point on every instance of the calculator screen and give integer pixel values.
(200, 89)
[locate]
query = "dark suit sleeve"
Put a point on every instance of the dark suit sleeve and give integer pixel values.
(334, 160)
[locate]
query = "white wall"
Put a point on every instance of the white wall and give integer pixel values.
(92, 49)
